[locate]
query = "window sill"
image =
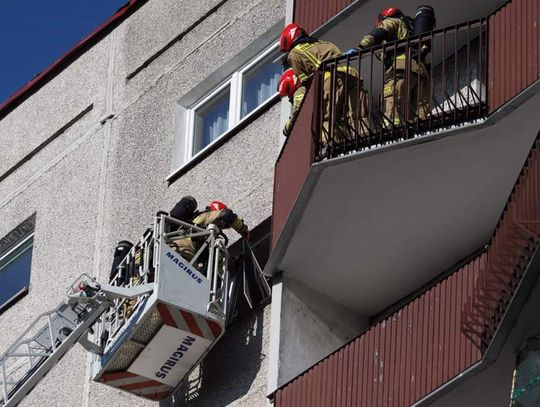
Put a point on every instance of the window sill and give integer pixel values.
(201, 155)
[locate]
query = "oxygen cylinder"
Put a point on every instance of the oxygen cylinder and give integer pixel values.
(424, 20)
(122, 249)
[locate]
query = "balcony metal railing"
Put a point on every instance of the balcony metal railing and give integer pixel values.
(441, 82)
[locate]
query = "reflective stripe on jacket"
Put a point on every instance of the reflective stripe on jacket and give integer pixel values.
(306, 58)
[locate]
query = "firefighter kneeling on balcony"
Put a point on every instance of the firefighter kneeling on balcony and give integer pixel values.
(305, 56)
(393, 25)
(218, 214)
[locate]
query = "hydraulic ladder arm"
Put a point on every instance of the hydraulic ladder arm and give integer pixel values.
(37, 350)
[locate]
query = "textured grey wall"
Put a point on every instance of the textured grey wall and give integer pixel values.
(102, 180)
(312, 326)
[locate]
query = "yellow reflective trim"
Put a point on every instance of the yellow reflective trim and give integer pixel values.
(303, 49)
(388, 90)
(402, 56)
(313, 59)
(304, 46)
(302, 77)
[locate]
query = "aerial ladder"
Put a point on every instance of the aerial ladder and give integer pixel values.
(149, 327)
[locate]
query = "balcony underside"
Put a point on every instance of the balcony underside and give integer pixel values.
(370, 228)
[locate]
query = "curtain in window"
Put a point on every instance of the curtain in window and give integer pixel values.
(259, 85)
(211, 122)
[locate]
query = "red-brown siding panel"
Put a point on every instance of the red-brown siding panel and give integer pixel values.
(391, 364)
(516, 237)
(293, 164)
(311, 14)
(513, 50)
(425, 341)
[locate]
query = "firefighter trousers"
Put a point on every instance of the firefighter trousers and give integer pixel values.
(341, 113)
(405, 97)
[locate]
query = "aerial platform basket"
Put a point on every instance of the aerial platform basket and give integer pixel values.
(152, 342)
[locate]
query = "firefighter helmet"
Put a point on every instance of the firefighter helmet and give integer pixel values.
(217, 206)
(389, 12)
(289, 34)
(288, 83)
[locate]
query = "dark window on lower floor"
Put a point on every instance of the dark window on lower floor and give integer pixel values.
(15, 265)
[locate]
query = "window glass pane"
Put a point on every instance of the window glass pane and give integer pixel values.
(15, 271)
(211, 121)
(260, 83)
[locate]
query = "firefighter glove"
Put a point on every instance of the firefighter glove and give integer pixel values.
(288, 128)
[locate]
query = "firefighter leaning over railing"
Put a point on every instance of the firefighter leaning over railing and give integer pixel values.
(305, 54)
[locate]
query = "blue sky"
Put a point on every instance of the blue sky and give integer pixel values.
(34, 33)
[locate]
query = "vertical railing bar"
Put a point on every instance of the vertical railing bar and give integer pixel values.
(456, 85)
(394, 73)
(443, 84)
(359, 98)
(320, 101)
(468, 69)
(370, 107)
(431, 81)
(404, 121)
(485, 54)
(332, 112)
(344, 106)
(479, 73)
(419, 85)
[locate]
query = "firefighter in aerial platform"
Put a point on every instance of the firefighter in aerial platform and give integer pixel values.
(393, 25)
(218, 214)
(305, 56)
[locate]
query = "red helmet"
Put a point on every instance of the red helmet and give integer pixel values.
(288, 83)
(289, 34)
(217, 206)
(389, 12)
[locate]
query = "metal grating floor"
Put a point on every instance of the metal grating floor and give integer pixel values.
(143, 334)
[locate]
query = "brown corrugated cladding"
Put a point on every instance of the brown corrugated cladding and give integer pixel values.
(311, 14)
(293, 163)
(516, 239)
(401, 359)
(514, 50)
(423, 346)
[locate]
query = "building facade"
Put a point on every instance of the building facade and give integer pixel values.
(403, 261)
(99, 143)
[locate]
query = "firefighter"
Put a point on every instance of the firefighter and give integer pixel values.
(305, 55)
(218, 214)
(289, 85)
(184, 210)
(393, 25)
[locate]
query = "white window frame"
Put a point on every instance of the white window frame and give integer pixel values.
(235, 84)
